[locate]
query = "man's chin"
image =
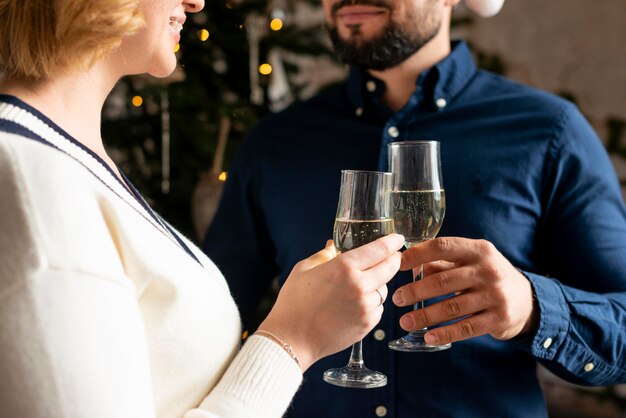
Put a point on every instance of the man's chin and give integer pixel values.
(360, 34)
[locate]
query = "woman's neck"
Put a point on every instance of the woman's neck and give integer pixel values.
(73, 101)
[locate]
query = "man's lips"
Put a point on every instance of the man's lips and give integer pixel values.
(357, 13)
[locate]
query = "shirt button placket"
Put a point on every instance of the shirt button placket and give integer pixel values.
(379, 335)
(393, 131)
(381, 411)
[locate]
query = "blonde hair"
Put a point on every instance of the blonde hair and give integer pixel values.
(41, 38)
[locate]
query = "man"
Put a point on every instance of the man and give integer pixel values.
(533, 264)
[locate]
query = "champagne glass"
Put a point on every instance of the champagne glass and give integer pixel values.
(419, 205)
(363, 215)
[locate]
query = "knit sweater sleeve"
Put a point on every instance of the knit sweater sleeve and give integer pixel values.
(260, 382)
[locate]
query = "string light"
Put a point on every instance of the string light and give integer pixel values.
(177, 48)
(276, 24)
(265, 69)
(137, 101)
(203, 35)
(222, 177)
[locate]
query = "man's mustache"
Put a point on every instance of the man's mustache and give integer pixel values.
(376, 3)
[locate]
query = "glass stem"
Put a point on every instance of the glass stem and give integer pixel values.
(356, 356)
(419, 304)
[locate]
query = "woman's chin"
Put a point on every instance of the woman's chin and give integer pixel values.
(163, 70)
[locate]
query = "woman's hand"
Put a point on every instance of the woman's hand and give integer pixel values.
(331, 301)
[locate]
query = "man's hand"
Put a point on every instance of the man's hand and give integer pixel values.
(491, 295)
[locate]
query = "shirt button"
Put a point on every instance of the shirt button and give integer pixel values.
(393, 132)
(379, 335)
(441, 103)
(370, 86)
(359, 111)
(547, 343)
(381, 411)
(589, 367)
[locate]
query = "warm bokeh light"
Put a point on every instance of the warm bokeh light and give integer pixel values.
(265, 69)
(222, 176)
(137, 101)
(203, 34)
(244, 335)
(276, 24)
(177, 48)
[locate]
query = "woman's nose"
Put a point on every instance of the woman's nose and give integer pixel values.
(193, 6)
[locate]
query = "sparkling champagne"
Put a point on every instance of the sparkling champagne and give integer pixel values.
(351, 233)
(418, 214)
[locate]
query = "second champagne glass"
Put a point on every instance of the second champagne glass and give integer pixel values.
(363, 215)
(419, 205)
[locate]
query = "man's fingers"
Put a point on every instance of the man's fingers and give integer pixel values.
(443, 311)
(470, 327)
(451, 249)
(373, 253)
(438, 284)
(437, 266)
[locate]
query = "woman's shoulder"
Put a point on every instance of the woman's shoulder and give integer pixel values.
(50, 207)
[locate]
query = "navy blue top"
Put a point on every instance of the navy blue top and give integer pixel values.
(521, 168)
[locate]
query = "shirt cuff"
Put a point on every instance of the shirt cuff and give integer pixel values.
(562, 348)
(554, 319)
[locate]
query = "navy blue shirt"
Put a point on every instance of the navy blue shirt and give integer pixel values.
(521, 168)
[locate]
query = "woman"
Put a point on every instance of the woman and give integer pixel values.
(106, 310)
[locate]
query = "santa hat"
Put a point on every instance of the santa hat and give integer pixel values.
(484, 8)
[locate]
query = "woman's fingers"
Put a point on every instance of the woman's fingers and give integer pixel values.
(371, 254)
(382, 272)
(326, 254)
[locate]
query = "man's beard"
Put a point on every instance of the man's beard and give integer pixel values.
(384, 51)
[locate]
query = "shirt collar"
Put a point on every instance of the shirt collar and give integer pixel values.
(443, 81)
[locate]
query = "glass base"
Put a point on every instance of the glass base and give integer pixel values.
(414, 342)
(355, 377)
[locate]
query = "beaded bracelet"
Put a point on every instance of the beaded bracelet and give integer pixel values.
(282, 344)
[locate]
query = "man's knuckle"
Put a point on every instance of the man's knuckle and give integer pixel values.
(442, 244)
(467, 330)
(452, 307)
(491, 270)
(422, 316)
(485, 247)
(442, 281)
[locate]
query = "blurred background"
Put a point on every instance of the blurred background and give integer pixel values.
(242, 59)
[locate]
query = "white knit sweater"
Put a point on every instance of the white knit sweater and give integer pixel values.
(103, 313)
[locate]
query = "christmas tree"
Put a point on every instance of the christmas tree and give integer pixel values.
(237, 61)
